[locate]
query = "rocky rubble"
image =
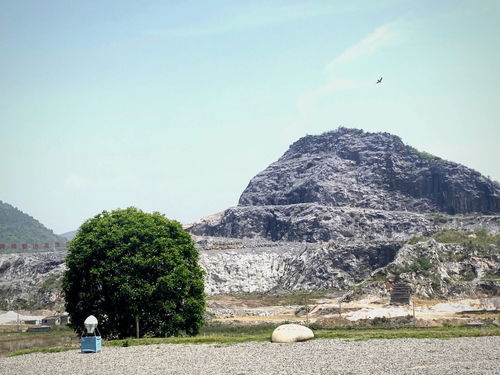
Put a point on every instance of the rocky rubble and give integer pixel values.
(31, 280)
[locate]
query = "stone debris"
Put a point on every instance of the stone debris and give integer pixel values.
(459, 356)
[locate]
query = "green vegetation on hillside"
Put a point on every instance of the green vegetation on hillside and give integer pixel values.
(478, 239)
(18, 227)
(421, 265)
(424, 155)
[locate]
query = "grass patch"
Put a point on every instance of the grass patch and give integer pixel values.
(51, 284)
(200, 339)
(54, 331)
(286, 299)
(360, 334)
(417, 239)
(424, 155)
(477, 240)
(229, 334)
(356, 333)
(41, 350)
(422, 265)
(212, 333)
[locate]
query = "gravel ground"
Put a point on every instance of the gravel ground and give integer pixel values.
(479, 355)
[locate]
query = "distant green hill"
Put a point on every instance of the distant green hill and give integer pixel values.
(18, 227)
(69, 235)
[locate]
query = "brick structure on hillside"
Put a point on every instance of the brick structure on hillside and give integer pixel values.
(401, 293)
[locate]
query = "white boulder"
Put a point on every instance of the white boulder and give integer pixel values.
(291, 333)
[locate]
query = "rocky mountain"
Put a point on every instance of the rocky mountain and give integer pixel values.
(337, 207)
(349, 167)
(345, 211)
(18, 227)
(326, 184)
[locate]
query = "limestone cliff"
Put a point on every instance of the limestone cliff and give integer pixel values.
(336, 202)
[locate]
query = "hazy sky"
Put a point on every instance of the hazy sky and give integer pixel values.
(173, 106)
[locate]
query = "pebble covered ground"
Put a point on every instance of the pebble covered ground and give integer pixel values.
(479, 355)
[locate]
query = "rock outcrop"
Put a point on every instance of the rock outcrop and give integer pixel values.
(31, 280)
(439, 270)
(348, 183)
(334, 203)
(349, 167)
(313, 222)
(263, 266)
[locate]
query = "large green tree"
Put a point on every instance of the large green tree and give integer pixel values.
(127, 267)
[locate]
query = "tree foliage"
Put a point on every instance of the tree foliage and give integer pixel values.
(127, 264)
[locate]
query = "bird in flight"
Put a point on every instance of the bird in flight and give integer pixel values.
(379, 80)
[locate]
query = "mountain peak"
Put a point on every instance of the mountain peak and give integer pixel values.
(350, 167)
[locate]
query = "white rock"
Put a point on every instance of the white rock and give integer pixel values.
(291, 333)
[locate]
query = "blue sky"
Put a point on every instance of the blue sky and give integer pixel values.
(173, 106)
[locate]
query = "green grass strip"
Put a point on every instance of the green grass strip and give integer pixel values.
(263, 334)
(41, 350)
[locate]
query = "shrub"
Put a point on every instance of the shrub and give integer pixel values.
(381, 321)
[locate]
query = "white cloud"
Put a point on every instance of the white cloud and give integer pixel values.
(76, 181)
(307, 99)
(384, 35)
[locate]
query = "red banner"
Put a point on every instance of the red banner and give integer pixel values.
(35, 246)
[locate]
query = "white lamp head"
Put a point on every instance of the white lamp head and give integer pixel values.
(90, 323)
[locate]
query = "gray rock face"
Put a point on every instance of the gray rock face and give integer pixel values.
(260, 266)
(336, 207)
(349, 167)
(31, 281)
(441, 270)
(312, 222)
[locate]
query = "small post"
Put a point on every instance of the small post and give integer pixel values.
(137, 326)
(307, 308)
(414, 320)
(340, 310)
(17, 320)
